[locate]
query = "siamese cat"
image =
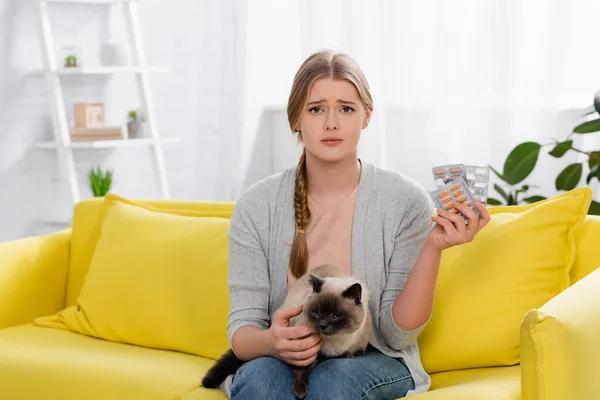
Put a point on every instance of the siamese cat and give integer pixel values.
(336, 306)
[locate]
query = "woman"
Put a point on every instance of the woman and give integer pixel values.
(335, 208)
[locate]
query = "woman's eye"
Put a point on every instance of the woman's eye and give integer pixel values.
(315, 110)
(347, 110)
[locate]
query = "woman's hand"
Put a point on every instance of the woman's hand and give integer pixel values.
(296, 345)
(450, 229)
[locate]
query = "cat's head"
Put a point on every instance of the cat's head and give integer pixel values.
(336, 305)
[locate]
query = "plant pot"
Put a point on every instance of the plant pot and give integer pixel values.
(135, 130)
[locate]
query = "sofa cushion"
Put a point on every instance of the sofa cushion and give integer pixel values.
(157, 280)
(498, 383)
(561, 344)
(519, 261)
(588, 256)
(53, 364)
(88, 216)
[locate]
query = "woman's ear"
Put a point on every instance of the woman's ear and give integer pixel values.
(367, 119)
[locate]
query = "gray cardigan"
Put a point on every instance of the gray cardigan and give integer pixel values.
(391, 223)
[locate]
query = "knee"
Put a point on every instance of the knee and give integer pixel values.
(262, 378)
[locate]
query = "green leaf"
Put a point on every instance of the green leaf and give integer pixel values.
(100, 181)
(561, 149)
(569, 177)
(501, 192)
(588, 127)
(496, 172)
(591, 161)
(594, 208)
(493, 202)
(591, 175)
(520, 162)
(511, 200)
(534, 199)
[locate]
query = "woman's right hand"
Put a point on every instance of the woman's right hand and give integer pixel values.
(285, 343)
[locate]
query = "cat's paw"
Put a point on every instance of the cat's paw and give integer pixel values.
(300, 388)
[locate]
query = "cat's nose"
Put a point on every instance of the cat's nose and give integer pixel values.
(323, 325)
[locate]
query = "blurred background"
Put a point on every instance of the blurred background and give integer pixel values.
(465, 81)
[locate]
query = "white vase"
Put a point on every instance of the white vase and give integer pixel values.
(113, 54)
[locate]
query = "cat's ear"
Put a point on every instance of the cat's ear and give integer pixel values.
(354, 292)
(316, 282)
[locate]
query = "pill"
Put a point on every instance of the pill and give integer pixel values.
(471, 177)
(443, 194)
(439, 171)
(453, 188)
(447, 199)
(462, 199)
(480, 185)
(449, 206)
(455, 169)
(455, 211)
(468, 203)
(456, 177)
(458, 193)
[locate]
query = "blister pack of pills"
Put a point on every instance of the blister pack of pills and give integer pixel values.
(476, 177)
(455, 191)
(449, 172)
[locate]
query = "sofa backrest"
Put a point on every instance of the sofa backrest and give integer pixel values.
(587, 240)
(88, 215)
(87, 222)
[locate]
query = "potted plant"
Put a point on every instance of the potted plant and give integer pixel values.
(522, 160)
(100, 181)
(71, 61)
(135, 124)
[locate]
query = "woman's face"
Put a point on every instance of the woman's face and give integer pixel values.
(332, 120)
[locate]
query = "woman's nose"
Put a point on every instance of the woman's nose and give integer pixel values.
(331, 123)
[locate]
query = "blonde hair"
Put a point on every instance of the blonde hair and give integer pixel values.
(323, 64)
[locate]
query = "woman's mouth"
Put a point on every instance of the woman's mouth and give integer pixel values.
(330, 141)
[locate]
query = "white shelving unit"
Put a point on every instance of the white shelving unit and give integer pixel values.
(101, 70)
(62, 143)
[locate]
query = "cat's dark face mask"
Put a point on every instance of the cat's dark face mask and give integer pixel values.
(330, 313)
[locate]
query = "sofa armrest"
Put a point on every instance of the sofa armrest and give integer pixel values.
(33, 277)
(560, 345)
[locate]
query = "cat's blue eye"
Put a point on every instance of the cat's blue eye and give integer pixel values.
(315, 313)
(337, 315)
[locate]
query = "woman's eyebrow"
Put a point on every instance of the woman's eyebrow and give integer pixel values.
(323, 101)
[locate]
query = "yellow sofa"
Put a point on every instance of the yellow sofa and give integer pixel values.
(39, 276)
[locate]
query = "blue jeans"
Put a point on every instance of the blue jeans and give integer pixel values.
(372, 376)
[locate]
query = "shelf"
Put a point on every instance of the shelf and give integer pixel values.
(100, 70)
(105, 144)
(98, 2)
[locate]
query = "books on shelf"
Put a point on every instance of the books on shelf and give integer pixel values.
(79, 134)
(89, 124)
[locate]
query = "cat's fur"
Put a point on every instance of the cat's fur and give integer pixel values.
(335, 305)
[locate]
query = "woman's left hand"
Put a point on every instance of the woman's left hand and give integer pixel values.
(450, 229)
